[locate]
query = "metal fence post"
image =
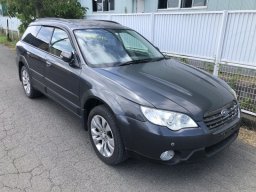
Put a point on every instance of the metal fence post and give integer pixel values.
(8, 32)
(220, 43)
(152, 27)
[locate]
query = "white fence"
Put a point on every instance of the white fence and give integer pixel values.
(222, 37)
(14, 23)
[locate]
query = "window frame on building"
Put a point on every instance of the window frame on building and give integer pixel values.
(110, 7)
(183, 8)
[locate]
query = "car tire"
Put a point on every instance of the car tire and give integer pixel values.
(29, 90)
(105, 136)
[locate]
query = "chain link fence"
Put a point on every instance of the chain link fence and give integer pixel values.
(243, 81)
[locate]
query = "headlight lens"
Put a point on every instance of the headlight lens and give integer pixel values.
(234, 93)
(172, 120)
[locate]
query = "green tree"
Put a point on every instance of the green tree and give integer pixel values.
(29, 10)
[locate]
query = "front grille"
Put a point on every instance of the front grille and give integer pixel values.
(217, 118)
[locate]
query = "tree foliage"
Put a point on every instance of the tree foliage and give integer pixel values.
(29, 10)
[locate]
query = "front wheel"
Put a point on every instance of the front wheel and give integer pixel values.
(105, 136)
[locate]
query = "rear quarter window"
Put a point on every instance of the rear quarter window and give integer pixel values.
(30, 34)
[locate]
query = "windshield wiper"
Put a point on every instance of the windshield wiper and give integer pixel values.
(142, 61)
(130, 62)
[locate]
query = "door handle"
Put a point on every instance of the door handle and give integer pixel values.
(28, 53)
(48, 64)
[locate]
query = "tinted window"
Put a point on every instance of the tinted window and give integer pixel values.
(30, 35)
(60, 42)
(44, 38)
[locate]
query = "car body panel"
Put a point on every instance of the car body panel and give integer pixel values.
(63, 81)
(36, 59)
(150, 140)
(170, 85)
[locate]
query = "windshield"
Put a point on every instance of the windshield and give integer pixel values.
(114, 47)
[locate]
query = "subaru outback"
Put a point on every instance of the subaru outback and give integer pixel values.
(130, 97)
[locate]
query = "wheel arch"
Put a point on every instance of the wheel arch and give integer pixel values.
(90, 103)
(22, 62)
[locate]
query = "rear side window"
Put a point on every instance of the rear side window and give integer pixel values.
(44, 37)
(30, 35)
(60, 42)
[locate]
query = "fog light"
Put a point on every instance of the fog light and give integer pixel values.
(167, 155)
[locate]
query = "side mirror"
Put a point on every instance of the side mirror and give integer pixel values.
(66, 56)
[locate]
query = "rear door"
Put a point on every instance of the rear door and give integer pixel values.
(62, 80)
(39, 37)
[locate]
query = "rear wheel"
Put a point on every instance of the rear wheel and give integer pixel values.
(105, 136)
(26, 83)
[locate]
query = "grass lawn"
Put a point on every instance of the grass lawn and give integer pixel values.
(4, 41)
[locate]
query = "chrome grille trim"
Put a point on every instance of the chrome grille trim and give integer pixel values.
(215, 119)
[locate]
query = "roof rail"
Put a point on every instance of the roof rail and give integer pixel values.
(73, 20)
(51, 18)
(105, 21)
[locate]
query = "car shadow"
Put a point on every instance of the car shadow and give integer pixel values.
(231, 166)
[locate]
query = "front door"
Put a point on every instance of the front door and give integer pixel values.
(62, 80)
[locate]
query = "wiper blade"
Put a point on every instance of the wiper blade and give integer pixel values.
(158, 59)
(130, 62)
(141, 61)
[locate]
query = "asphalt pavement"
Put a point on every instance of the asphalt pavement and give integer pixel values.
(44, 148)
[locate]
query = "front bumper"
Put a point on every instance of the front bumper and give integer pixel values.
(151, 141)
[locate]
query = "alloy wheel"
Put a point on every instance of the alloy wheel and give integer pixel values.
(102, 136)
(26, 82)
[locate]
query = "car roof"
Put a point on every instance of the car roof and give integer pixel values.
(79, 23)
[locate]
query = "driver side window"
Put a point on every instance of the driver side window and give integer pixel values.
(60, 42)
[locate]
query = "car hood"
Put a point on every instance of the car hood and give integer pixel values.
(171, 85)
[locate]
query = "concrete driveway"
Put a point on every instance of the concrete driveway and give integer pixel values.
(44, 148)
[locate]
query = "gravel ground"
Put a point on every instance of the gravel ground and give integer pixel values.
(44, 148)
(248, 136)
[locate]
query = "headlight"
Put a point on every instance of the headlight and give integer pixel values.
(233, 92)
(172, 120)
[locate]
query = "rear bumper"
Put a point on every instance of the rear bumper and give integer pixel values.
(151, 140)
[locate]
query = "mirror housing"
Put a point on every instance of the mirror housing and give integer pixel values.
(70, 58)
(66, 56)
